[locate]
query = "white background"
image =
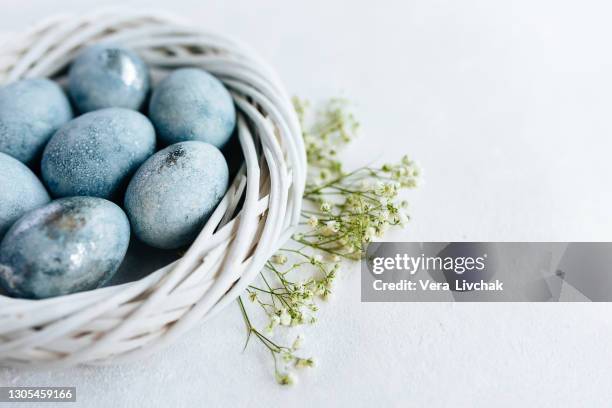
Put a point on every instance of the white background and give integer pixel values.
(506, 104)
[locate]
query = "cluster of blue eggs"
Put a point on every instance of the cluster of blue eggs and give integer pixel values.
(94, 150)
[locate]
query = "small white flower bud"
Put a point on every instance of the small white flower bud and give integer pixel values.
(325, 206)
(313, 221)
(285, 317)
(305, 363)
(286, 379)
(279, 259)
(297, 343)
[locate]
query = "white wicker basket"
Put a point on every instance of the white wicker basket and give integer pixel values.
(129, 321)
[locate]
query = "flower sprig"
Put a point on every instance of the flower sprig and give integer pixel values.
(343, 212)
(285, 354)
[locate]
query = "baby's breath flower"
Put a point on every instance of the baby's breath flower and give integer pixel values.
(325, 207)
(331, 227)
(384, 214)
(274, 321)
(332, 257)
(284, 317)
(304, 363)
(279, 259)
(329, 281)
(286, 379)
(355, 255)
(320, 288)
(313, 221)
(327, 294)
(369, 234)
(297, 319)
(344, 211)
(403, 218)
(297, 343)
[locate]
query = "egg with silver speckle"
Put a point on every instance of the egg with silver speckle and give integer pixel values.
(31, 110)
(70, 245)
(20, 191)
(96, 153)
(191, 104)
(108, 76)
(174, 193)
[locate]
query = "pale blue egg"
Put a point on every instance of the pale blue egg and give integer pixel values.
(31, 110)
(107, 76)
(97, 153)
(70, 245)
(191, 104)
(174, 192)
(20, 191)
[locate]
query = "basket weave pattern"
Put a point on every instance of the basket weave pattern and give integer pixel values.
(125, 322)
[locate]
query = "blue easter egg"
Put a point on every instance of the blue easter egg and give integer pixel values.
(31, 110)
(107, 76)
(21, 191)
(96, 153)
(191, 104)
(174, 193)
(70, 245)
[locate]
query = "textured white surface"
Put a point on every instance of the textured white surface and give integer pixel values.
(507, 107)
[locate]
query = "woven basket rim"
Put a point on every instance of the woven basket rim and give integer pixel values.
(133, 319)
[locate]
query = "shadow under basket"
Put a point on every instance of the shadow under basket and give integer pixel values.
(256, 216)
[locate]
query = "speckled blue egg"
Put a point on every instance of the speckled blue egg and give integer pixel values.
(70, 245)
(96, 153)
(20, 191)
(174, 192)
(31, 110)
(191, 104)
(108, 76)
